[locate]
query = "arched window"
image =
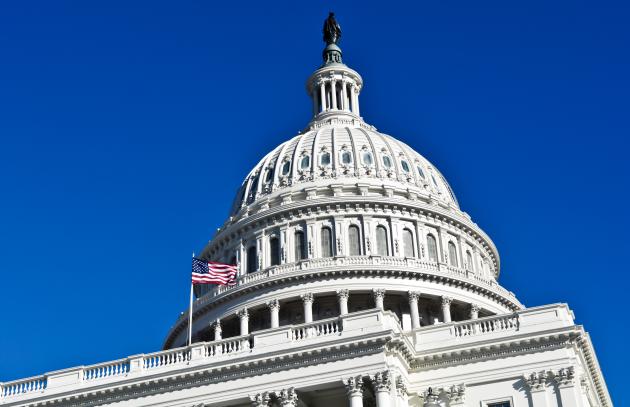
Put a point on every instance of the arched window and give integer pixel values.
(381, 241)
(432, 247)
(305, 164)
(274, 251)
(286, 167)
(408, 243)
(354, 242)
(367, 158)
(420, 171)
(346, 157)
(434, 181)
(405, 165)
(252, 260)
(387, 162)
(452, 254)
(326, 236)
(324, 159)
(269, 175)
(299, 246)
(469, 260)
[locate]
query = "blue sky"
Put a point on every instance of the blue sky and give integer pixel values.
(126, 127)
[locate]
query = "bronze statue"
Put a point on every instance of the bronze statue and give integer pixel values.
(332, 30)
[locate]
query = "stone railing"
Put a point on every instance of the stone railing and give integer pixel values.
(316, 329)
(485, 325)
(23, 386)
(109, 369)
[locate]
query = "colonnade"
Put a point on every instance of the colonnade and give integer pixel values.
(343, 296)
(333, 93)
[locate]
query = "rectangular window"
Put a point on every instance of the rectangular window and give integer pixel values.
(497, 403)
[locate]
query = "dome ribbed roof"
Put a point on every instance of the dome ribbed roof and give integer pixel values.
(340, 154)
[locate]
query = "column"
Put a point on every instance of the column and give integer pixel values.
(413, 309)
(382, 385)
(217, 330)
(569, 394)
(402, 399)
(274, 309)
(537, 390)
(333, 93)
(244, 317)
(446, 309)
(354, 390)
(259, 252)
(431, 398)
(260, 399)
(456, 395)
(355, 94)
(342, 296)
(287, 397)
(307, 300)
(474, 311)
(322, 95)
(379, 297)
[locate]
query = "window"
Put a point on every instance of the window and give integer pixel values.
(252, 260)
(346, 157)
(269, 175)
(354, 243)
(499, 404)
(286, 167)
(367, 158)
(274, 251)
(420, 171)
(325, 159)
(452, 254)
(300, 246)
(381, 241)
(434, 181)
(305, 164)
(432, 247)
(233, 260)
(469, 260)
(408, 243)
(387, 162)
(405, 165)
(326, 237)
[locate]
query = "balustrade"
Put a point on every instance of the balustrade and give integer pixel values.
(117, 368)
(320, 328)
(167, 358)
(485, 325)
(23, 386)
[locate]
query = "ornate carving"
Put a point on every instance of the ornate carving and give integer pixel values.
(354, 386)
(382, 381)
(307, 297)
(242, 313)
(456, 394)
(343, 294)
(401, 387)
(274, 305)
(339, 246)
(379, 293)
(536, 380)
(260, 399)
(431, 399)
(565, 377)
(287, 397)
(413, 295)
(446, 301)
(474, 308)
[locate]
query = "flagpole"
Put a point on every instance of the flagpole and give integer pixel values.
(190, 311)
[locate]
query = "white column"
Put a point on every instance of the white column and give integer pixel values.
(402, 398)
(446, 309)
(244, 317)
(537, 389)
(333, 93)
(382, 385)
(413, 309)
(354, 390)
(355, 94)
(307, 300)
(569, 394)
(474, 311)
(322, 95)
(217, 330)
(274, 309)
(343, 295)
(379, 297)
(287, 397)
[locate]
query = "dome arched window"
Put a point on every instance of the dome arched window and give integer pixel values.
(469, 260)
(387, 162)
(269, 175)
(286, 167)
(354, 242)
(405, 165)
(346, 157)
(381, 241)
(324, 159)
(252, 260)
(408, 243)
(452, 254)
(434, 181)
(367, 158)
(299, 245)
(305, 163)
(274, 251)
(432, 247)
(420, 172)
(326, 242)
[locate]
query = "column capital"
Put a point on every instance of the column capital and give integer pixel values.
(259, 400)
(413, 295)
(446, 301)
(242, 313)
(474, 307)
(536, 380)
(431, 398)
(287, 397)
(378, 292)
(273, 304)
(456, 394)
(343, 294)
(382, 381)
(354, 385)
(565, 377)
(401, 387)
(307, 297)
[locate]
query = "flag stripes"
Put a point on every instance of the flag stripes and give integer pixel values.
(205, 272)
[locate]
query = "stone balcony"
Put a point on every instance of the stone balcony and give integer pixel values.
(371, 326)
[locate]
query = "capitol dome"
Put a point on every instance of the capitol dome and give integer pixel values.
(342, 218)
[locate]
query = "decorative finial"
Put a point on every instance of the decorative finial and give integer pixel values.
(332, 30)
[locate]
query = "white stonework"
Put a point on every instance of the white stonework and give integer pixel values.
(361, 283)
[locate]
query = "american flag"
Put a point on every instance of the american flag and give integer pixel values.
(207, 272)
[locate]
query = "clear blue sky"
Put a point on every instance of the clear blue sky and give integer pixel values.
(126, 127)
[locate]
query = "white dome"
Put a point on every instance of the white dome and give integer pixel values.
(342, 156)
